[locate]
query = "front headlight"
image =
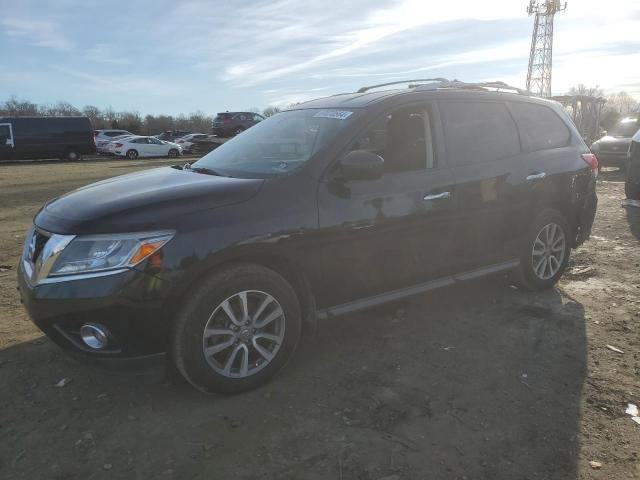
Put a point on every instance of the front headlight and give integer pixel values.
(96, 253)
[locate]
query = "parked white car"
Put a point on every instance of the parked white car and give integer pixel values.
(187, 141)
(139, 146)
(104, 137)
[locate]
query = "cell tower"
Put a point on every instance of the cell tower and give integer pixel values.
(539, 72)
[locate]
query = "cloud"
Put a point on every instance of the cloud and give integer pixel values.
(104, 53)
(118, 83)
(39, 32)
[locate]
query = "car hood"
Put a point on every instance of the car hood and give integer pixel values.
(609, 140)
(156, 198)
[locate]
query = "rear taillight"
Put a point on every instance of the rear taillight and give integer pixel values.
(591, 160)
(118, 145)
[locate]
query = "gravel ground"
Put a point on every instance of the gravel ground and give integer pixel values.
(482, 381)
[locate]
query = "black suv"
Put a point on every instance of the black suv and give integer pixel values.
(228, 124)
(171, 135)
(632, 181)
(339, 204)
(612, 149)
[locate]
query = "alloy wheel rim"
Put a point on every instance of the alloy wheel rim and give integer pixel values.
(548, 251)
(243, 334)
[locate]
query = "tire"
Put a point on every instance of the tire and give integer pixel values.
(548, 272)
(173, 153)
(72, 155)
(631, 186)
(205, 310)
(238, 131)
(132, 154)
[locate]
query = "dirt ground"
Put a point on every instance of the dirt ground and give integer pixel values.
(481, 381)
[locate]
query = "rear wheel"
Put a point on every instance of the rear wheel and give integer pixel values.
(173, 153)
(631, 185)
(546, 252)
(132, 154)
(238, 131)
(237, 330)
(72, 155)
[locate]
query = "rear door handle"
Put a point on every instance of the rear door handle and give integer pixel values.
(536, 176)
(438, 196)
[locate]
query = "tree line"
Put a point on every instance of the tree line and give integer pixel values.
(617, 106)
(108, 118)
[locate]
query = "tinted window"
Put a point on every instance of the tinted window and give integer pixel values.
(222, 116)
(478, 132)
(402, 138)
(5, 134)
(540, 127)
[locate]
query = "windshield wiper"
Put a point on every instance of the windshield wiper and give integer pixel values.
(205, 170)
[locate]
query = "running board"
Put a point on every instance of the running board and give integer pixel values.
(399, 294)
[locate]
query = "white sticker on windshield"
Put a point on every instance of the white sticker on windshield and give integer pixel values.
(337, 114)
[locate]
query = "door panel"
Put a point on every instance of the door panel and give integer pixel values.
(394, 231)
(482, 144)
(6, 141)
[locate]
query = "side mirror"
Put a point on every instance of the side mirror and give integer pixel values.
(361, 165)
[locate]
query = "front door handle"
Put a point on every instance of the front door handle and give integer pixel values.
(438, 196)
(536, 176)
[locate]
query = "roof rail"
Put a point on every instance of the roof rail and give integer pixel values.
(438, 80)
(442, 83)
(492, 86)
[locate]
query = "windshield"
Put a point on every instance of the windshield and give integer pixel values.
(277, 145)
(624, 129)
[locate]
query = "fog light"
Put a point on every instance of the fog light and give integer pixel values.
(94, 335)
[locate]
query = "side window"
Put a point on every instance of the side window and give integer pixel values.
(5, 134)
(478, 132)
(258, 118)
(403, 138)
(242, 117)
(540, 127)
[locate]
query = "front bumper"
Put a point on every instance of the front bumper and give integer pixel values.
(131, 305)
(612, 159)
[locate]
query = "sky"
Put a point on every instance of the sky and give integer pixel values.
(182, 56)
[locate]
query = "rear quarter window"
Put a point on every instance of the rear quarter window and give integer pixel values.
(540, 127)
(478, 132)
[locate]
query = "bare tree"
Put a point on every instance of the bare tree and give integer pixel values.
(582, 89)
(19, 108)
(271, 110)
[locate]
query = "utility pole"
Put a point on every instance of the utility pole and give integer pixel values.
(539, 72)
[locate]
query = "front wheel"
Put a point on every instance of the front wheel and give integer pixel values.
(132, 154)
(546, 252)
(173, 153)
(237, 330)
